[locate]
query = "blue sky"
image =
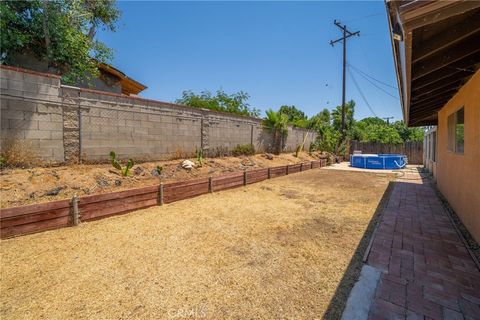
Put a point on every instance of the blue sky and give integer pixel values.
(278, 52)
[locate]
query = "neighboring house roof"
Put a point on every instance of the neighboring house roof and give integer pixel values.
(436, 47)
(129, 86)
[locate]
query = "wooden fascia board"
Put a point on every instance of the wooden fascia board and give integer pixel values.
(399, 54)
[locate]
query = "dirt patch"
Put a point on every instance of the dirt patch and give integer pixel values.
(26, 186)
(251, 253)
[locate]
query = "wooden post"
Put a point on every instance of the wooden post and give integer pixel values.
(301, 166)
(287, 171)
(160, 194)
(245, 177)
(75, 212)
(269, 173)
(311, 164)
(210, 185)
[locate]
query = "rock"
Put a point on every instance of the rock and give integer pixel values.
(187, 164)
(102, 182)
(54, 191)
(154, 173)
(118, 182)
(138, 171)
(247, 162)
(269, 156)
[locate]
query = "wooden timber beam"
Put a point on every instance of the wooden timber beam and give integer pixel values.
(442, 87)
(440, 82)
(428, 108)
(418, 13)
(453, 37)
(466, 66)
(442, 93)
(468, 48)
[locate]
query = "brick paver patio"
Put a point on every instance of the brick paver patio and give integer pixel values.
(428, 272)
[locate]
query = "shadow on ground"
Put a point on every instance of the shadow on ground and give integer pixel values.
(339, 300)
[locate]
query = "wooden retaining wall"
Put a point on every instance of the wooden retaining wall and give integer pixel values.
(58, 214)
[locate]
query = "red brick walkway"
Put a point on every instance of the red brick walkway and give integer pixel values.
(428, 273)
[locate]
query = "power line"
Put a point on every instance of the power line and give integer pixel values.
(373, 78)
(345, 35)
(361, 93)
(379, 88)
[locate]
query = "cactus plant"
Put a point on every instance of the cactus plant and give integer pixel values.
(124, 171)
(199, 154)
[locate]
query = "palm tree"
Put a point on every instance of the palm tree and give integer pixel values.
(277, 123)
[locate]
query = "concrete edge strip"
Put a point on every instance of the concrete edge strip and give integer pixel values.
(362, 294)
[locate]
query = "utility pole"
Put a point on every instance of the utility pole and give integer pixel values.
(346, 34)
(387, 119)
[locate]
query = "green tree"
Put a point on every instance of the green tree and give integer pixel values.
(277, 124)
(60, 33)
(382, 134)
(349, 120)
(221, 101)
(321, 119)
(328, 139)
(408, 134)
(377, 130)
(295, 116)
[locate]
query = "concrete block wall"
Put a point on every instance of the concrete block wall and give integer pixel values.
(67, 123)
(225, 132)
(136, 128)
(295, 138)
(31, 113)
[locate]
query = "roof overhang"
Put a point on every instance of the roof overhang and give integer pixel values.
(129, 86)
(436, 47)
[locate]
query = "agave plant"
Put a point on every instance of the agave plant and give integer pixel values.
(124, 171)
(277, 123)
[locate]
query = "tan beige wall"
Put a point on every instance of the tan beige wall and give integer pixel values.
(458, 176)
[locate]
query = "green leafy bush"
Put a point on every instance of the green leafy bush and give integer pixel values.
(243, 150)
(124, 171)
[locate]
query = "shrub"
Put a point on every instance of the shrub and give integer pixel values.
(19, 153)
(179, 153)
(243, 150)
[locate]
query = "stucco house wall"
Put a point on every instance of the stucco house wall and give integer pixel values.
(458, 175)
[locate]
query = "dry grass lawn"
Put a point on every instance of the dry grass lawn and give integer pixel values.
(272, 250)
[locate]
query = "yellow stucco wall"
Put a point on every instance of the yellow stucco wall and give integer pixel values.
(458, 176)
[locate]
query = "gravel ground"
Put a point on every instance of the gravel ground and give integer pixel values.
(276, 249)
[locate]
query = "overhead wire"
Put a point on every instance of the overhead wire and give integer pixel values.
(361, 92)
(373, 78)
(376, 86)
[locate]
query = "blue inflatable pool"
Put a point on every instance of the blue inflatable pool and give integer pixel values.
(378, 161)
